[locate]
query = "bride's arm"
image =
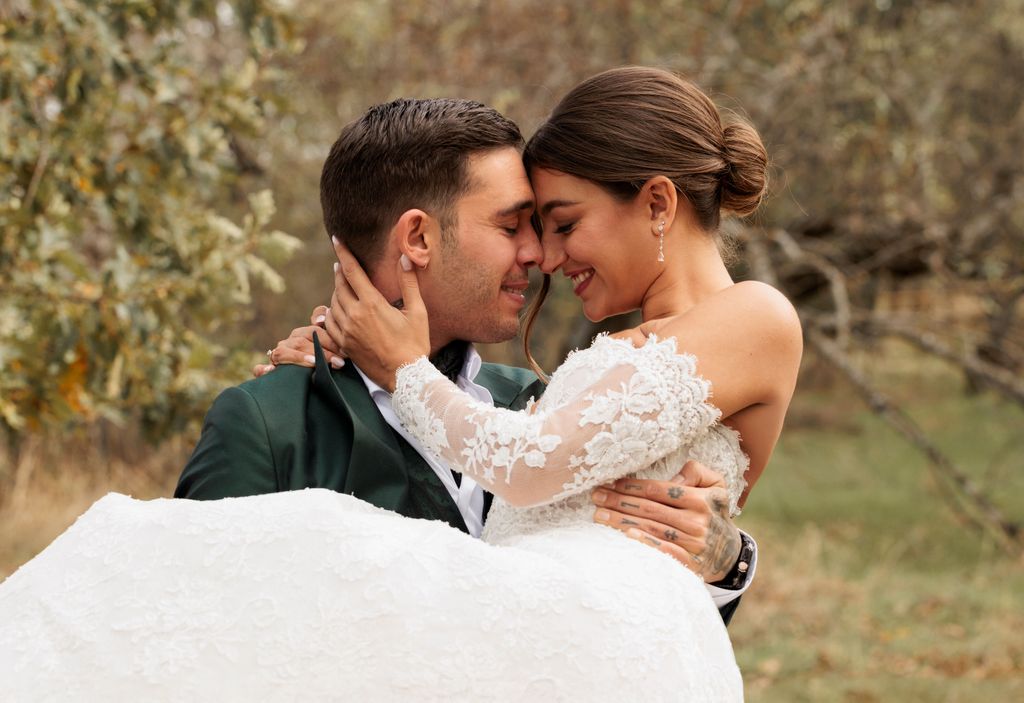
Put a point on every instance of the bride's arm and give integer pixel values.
(648, 404)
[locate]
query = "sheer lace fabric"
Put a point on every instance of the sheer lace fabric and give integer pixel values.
(317, 595)
(609, 411)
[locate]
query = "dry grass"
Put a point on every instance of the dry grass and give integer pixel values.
(52, 484)
(814, 629)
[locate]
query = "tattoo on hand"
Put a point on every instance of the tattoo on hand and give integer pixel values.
(624, 504)
(723, 539)
(627, 521)
(675, 492)
(633, 487)
(671, 535)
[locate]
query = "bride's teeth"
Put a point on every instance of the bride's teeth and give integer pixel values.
(580, 277)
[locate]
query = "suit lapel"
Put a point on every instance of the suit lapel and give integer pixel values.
(381, 466)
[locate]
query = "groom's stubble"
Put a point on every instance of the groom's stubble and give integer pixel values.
(490, 250)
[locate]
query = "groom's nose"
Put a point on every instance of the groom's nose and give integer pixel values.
(530, 252)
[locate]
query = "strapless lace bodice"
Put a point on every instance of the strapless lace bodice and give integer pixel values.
(610, 410)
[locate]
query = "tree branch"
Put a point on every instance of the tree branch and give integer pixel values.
(971, 502)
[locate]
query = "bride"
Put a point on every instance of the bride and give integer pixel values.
(317, 594)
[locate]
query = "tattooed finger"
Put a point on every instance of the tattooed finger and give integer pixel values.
(664, 492)
(672, 535)
(674, 551)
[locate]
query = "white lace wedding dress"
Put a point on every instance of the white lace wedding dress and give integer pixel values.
(314, 595)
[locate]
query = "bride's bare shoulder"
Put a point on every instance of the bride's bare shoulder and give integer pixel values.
(750, 309)
(748, 313)
(754, 300)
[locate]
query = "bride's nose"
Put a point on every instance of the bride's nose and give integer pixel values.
(554, 253)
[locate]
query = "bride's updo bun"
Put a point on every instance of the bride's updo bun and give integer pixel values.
(624, 126)
(746, 180)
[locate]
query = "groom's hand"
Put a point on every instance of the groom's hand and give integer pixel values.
(687, 518)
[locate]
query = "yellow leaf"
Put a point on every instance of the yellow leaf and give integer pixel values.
(71, 385)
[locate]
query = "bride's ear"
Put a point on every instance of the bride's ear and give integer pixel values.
(418, 236)
(660, 199)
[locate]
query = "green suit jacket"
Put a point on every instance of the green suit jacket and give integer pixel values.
(319, 428)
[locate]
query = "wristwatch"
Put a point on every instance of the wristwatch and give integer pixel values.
(734, 580)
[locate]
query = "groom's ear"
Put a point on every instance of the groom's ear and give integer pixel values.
(418, 236)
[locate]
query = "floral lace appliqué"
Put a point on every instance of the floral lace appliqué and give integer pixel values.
(611, 410)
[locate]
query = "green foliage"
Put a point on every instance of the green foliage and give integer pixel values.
(119, 151)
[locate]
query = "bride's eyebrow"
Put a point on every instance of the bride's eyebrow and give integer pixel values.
(552, 204)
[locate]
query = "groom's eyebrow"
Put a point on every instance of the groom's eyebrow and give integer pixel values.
(518, 207)
(552, 204)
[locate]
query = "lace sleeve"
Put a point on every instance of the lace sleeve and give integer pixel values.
(646, 405)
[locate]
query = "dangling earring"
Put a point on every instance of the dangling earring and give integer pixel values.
(661, 241)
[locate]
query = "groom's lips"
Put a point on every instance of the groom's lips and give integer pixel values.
(515, 290)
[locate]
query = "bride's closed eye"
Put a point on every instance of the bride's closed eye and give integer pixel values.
(566, 228)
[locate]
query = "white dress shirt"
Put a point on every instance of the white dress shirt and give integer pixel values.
(467, 494)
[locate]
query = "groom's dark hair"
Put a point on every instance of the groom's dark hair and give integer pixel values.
(401, 155)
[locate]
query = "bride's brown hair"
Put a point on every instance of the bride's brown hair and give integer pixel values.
(626, 125)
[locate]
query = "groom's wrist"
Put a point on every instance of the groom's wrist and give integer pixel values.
(737, 576)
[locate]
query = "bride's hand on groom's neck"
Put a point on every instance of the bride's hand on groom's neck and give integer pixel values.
(367, 328)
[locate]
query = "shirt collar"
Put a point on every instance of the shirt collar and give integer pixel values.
(470, 369)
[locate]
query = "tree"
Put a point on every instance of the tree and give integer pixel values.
(127, 244)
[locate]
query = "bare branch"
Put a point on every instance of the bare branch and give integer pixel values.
(999, 378)
(836, 278)
(757, 254)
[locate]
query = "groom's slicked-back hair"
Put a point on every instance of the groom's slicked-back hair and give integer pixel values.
(401, 155)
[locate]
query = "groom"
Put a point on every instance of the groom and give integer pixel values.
(444, 177)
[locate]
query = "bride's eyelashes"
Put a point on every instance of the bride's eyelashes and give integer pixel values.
(566, 228)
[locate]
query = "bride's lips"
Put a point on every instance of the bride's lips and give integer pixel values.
(580, 280)
(516, 290)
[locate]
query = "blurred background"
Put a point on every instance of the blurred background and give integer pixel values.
(160, 227)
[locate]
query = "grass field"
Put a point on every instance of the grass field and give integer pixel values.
(868, 588)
